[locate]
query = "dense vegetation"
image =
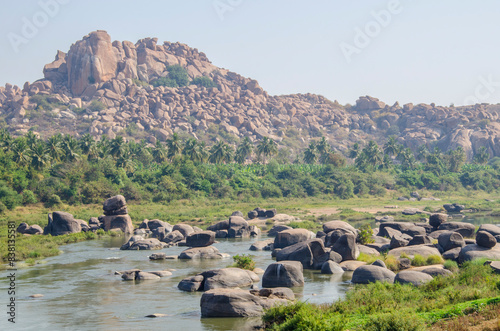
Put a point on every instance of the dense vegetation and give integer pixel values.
(383, 306)
(74, 171)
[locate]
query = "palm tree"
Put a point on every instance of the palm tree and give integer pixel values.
(70, 148)
(322, 146)
(456, 158)
(482, 156)
(159, 152)
(39, 156)
(220, 153)
(93, 153)
(391, 147)
(103, 146)
(373, 154)
(422, 153)
(194, 150)
(31, 139)
(243, 151)
(174, 146)
(20, 152)
(5, 139)
(354, 151)
(86, 143)
(117, 147)
(407, 159)
(201, 152)
(310, 153)
(54, 147)
(125, 160)
(266, 148)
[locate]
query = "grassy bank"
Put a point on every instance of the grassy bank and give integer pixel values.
(202, 212)
(382, 306)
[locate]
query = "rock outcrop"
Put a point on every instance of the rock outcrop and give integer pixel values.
(119, 75)
(219, 278)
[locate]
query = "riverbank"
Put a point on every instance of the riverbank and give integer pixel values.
(203, 212)
(475, 288)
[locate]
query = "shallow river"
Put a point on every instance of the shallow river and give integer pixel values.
(81, 292)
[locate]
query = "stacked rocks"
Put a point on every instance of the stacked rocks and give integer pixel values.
(116, 215)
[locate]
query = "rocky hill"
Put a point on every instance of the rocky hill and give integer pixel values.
(105, 88)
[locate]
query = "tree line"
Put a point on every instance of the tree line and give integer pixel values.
(67, 169)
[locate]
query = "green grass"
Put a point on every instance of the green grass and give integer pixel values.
(366, 306)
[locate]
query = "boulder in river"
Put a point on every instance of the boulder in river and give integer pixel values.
(311, 253)
(283, 274)
(346, 246)
(225, 302)
(290, 237)
(219, 278)
(121, 222)
(200, 239)
(209, 252)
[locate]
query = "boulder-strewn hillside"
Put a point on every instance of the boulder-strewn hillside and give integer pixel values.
(103, 87)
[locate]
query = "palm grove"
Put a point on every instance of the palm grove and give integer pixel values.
(84, 170)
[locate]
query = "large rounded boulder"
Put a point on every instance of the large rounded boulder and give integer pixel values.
(472, 252)
(290, 237)
(415, 278)
(311, 253)
(465, 229)
(485, 239)
(225, 302)
(62, 223)
(339, 225)
(283, 274)
(200, 239)
(449, 240)
(346, 246)
(366, 274)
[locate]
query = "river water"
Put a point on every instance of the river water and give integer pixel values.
(81, 292)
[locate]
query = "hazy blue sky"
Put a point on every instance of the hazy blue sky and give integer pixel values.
(422, 51)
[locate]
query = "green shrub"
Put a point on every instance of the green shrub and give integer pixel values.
(2, 207)
(203, 81)
(451, 265)
(29, 197)
(96, 105)
(434, 259)
(54, 200)
(365, 234)
(177, 77)
(395, 322)
(303, 316)
(164, 81)
(418, 260)
(244, 261)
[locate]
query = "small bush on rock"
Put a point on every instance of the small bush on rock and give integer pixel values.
(244, 261)
(365, 235)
